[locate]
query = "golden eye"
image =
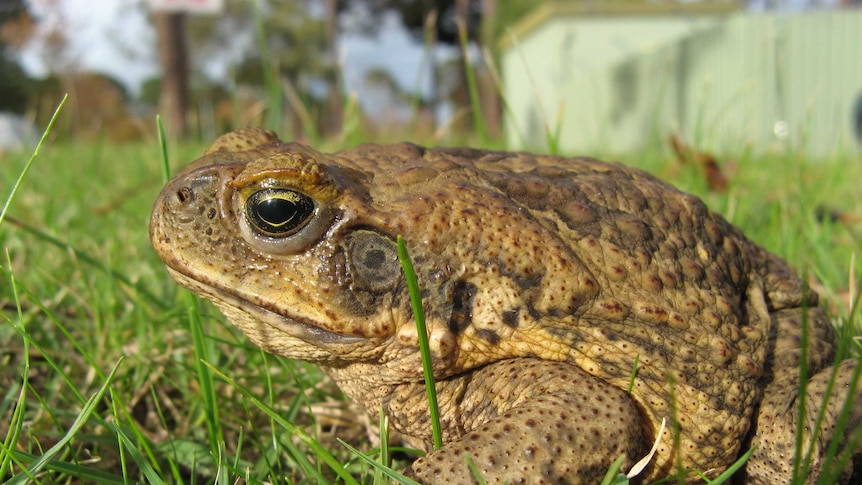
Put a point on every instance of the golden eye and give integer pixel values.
(279, 212)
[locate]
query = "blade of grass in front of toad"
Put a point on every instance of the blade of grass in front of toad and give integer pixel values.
(731, 470)
(384, 458)
(424, 348)
(474, 470)
(614, 476)
(214, 430)
(163, 144)
(303, 436)
(29, 163)
(204, 376)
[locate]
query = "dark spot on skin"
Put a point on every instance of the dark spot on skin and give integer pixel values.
(533, 312)
(489, 335)
(560, 332)
(374, 259)
(463, 294)
(526, 281)
(510, 318)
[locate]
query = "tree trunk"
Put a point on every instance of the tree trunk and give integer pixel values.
(492, 104)
(461, 97)
(174, 59)
(332, 116)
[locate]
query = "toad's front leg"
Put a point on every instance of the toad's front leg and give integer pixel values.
(523, 420)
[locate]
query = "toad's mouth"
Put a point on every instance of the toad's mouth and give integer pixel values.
(230, 303)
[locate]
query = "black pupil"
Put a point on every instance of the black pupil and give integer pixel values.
(280, 212)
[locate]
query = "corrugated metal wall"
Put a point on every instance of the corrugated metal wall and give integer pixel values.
(785, 80)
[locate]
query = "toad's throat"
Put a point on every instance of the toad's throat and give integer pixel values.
(229, 302)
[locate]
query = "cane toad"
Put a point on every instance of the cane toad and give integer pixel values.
(545, 282)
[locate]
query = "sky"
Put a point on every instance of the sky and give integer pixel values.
(114, 38)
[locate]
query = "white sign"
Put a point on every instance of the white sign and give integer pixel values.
(187, 6)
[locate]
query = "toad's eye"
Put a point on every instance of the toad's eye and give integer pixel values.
(279, 212)
(281, 221)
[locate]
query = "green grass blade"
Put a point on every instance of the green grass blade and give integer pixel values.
(163, 145)
(477, 475)
(511, 119)
(847, 338)
(399, 478)
(73, 343)
(89, 409)
(138, 457)
(551, 136)
(801, 462)
(473, 91)
(303, 436)
(222, 475)
(731, 470)
(842, 427)
(29, 163)
(613, 475)
(308, 468)
(385, 459)
(16, 423)
(204, 375)
(47, 355)
(93, 262)
(85, 474)
(271, 85)
(424, 347)
(175, 471)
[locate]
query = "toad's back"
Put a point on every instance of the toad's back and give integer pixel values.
(571, 272)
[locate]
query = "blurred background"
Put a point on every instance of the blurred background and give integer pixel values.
(754, 106)
(572, 75)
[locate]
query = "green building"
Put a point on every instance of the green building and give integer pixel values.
(613, 76)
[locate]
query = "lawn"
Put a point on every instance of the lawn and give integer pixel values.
(110, 373)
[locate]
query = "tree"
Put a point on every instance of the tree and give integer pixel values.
(174, 59)
(438, 21)
(433, 22)
(15, 29)
(284, 47)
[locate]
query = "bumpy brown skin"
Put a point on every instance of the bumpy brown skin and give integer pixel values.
(543, 280)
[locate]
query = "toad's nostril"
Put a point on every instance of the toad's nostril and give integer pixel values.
(184, 195)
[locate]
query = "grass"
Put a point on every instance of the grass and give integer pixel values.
(111, 374)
